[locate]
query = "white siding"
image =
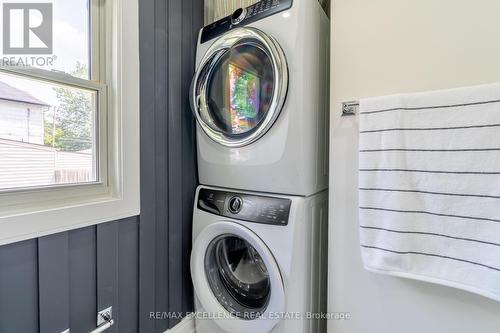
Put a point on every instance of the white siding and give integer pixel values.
(23, 165)
(72, 161)
(21, 122)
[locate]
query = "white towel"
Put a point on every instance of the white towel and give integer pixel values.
(429, 179)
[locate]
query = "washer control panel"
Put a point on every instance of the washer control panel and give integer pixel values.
(245, 207)
(243, 16)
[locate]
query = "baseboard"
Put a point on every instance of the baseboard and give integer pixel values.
(185, 326)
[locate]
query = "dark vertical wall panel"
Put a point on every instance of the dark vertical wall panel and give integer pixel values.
(168, 32)
(53, 282)
(147, 232)
(128, 275)
(175, 112)
(82, 280)
(107, 269)
(61, 281)
(161, 131)
(19, 287)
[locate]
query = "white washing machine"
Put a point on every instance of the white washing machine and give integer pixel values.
(260, 96)
(259, 262)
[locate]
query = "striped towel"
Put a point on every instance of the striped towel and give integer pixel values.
(430, 187)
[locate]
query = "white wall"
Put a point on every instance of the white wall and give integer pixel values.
(384, 47)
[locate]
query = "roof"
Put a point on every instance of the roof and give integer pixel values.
(10, 93)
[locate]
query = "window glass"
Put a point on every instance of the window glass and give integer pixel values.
(47, 133)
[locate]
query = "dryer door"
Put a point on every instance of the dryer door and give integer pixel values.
(236, 279)
(240, 87)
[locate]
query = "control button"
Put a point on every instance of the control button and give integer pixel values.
(238, 15)
(235, 204)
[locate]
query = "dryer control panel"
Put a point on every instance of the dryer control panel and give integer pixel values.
(245, 207)
(244, 16)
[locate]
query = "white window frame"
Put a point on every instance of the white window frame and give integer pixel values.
(35, 212)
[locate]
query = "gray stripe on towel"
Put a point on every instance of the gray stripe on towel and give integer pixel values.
(429, 192)
(430, 234)
(431, 107)
(430, 213)
(428, 150)
(433, 171)
(431, 255)
(428, 128)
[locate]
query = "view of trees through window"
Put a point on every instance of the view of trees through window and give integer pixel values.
(68, 126)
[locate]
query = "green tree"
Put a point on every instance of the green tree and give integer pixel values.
(71, 124)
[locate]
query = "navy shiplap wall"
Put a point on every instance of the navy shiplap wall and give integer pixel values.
(59, 281)
(169, 30)
(137, 265)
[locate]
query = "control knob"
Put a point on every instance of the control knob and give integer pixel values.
(235, 204)
(238, 15)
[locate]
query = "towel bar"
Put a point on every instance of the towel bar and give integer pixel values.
(103, 327)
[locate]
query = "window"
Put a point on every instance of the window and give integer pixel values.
(63, 109)
(47, 140)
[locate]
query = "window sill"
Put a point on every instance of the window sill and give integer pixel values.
(42, 223)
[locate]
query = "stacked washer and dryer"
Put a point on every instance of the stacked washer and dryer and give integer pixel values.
(260, 97)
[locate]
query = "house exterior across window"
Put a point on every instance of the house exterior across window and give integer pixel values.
(22, 115)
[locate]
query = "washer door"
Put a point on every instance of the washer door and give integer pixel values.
(236, 279)
(240, 87)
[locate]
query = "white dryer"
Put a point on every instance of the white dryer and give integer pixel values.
(259, 262)
(260, 96)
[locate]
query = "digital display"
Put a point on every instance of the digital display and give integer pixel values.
(244, 96)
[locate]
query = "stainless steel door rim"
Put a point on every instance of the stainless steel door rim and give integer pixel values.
(250, 37)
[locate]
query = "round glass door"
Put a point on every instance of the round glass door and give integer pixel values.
(238, 276)
(240, 88)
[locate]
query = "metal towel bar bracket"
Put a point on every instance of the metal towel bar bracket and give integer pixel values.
(350, 108)
(104, 320)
